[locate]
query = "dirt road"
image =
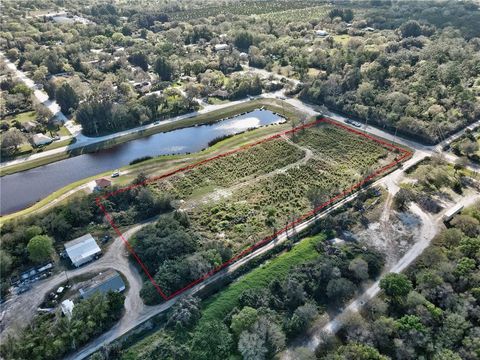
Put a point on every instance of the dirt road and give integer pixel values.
(20, 309)
(429, 228)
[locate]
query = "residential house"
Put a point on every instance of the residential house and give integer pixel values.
(41, 139)
(221, 47)
(29, 125)
(102, 183)
(321, 33)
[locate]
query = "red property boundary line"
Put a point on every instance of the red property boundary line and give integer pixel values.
(403, 155)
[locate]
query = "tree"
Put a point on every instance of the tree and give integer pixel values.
(67, 98)
(243, 320)
(211, 341)
(446, 354)
(243, 40)
(469, 147)
(467, 224)
(184, 313)
(359, 268)
(163, 68)
(402, 198)
(396, 286)
(11, 140)
(5, 263)
(265, 339)
(410, 29)
(139, 59)
(356, 351)
(302, 318)
(43, 114)
(53, 63)
(32, 231)
(340, 290)
(251, 346)
(40, 248)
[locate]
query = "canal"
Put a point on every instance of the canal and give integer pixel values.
(23, 189)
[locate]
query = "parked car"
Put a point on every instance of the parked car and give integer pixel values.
(116, 173)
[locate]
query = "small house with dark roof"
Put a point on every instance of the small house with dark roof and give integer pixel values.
(109, 280)
(102, 183)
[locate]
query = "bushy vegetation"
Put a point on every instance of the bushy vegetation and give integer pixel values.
(52, 336)
(434, 179)
(340, 160)
(468, 146)
(430, 312)
(260, 312)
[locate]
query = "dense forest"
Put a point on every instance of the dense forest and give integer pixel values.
(432, 312)
(411, 67)
(258, 315)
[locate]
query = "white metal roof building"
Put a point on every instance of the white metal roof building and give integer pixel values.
(82, 250)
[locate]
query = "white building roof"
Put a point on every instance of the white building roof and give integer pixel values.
(41, 139)
(81, 248)
(67, 307)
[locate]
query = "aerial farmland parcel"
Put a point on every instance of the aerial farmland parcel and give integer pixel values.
(234, 201)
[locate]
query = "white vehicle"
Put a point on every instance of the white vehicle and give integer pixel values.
(116, 173)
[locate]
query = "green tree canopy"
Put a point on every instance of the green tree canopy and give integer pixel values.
(67, 98)
(163, 68)
(40, 248)
(396, 286)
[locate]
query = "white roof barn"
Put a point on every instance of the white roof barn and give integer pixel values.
(82, 250)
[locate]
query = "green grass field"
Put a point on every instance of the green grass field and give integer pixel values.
(218, 306)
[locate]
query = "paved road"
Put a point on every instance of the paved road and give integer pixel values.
(116, 258)
(82, 140)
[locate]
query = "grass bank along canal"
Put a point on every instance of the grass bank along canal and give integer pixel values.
(22, 189)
